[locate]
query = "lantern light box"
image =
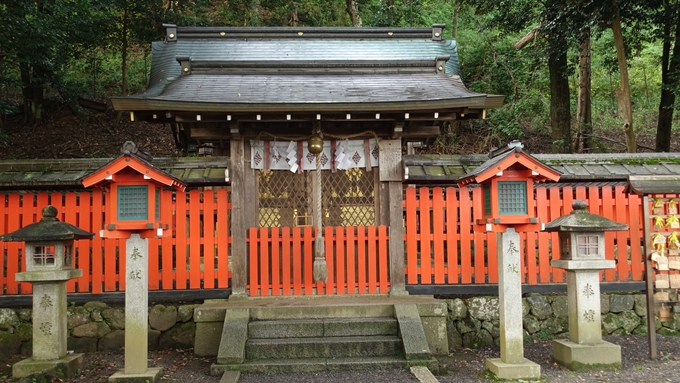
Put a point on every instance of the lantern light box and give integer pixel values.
(133, 199)
(507, 180)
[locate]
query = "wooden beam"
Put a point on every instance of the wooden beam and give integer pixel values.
(421, 131)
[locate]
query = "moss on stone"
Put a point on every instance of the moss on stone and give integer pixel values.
(582, 367)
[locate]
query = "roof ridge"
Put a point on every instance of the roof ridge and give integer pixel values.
(173, 32)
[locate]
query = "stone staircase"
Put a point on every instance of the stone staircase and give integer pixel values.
(284, 339)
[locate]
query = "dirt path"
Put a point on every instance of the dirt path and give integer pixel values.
(460, 367)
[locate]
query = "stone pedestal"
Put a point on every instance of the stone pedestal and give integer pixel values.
(585, 348)
(49, 329)
(511, 364)
(574, 356)
(136, 315)
(69, 365)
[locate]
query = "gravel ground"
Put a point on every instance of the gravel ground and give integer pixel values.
(460, 367)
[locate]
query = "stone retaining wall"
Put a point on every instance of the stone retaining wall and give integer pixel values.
(473, 322)
(97, 326)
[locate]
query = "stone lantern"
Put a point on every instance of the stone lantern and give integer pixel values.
(49, 265)
(581, 246)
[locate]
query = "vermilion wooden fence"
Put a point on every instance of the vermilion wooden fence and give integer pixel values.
(443, 246)
(194, 257)
(281, 260)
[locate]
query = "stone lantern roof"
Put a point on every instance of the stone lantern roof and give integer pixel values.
(49, 228)
(580, 220)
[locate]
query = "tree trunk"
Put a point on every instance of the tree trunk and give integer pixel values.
(353, 11)
(456, 10)
(32, 92)
(584, 115)
(560, 116)
(623, 92)
(124, 48)
(669, 71)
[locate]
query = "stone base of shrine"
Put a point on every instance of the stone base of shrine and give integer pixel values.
(511, 371)
(152, 375)
(66, 367)
(579, 357)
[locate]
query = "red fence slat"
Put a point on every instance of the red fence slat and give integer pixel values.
(382, 256)
(425, 238)
(438, 234)
(465, 236)
(452, 235)
(275, 262)
(208, 239)
(194, 239)
(411, 241)
(608, 212)
(167, 249)
(636, 235)
(351, 261)
(180, 241)
(222, 233)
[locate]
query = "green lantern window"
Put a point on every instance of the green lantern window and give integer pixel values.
(487, 199)
(133, 203)
(512, 198)
(158, 203)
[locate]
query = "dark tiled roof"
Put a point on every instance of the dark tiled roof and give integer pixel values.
(256, 66)
(27, 174)
(272, 50)
(227, 92)
(572, 167)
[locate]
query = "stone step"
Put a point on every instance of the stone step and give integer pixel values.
(287, 366)
(330, 327)
(322, 311)
(324, 347)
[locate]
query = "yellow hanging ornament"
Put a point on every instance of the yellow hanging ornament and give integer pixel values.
(659, 223)
(673, 206)
(659, 242)
(673, 222)
(673, 242)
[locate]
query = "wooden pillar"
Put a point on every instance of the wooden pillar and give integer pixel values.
(251, 196)
(397, 277)
(239, 266)
(391, 174)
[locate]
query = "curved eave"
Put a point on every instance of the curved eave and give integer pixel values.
(654, 184)
(102, 175)
(128, 104)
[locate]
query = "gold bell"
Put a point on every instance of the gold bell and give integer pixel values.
(315, 144)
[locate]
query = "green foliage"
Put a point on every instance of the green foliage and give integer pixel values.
(42, 37)
(406, 13)
(75, 47)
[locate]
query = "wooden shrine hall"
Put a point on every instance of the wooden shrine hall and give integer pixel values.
(315, 121)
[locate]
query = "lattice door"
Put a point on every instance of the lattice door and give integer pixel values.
(284, 197)
(287, 199)
(348, 197)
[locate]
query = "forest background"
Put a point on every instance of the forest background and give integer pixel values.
(581, 76)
